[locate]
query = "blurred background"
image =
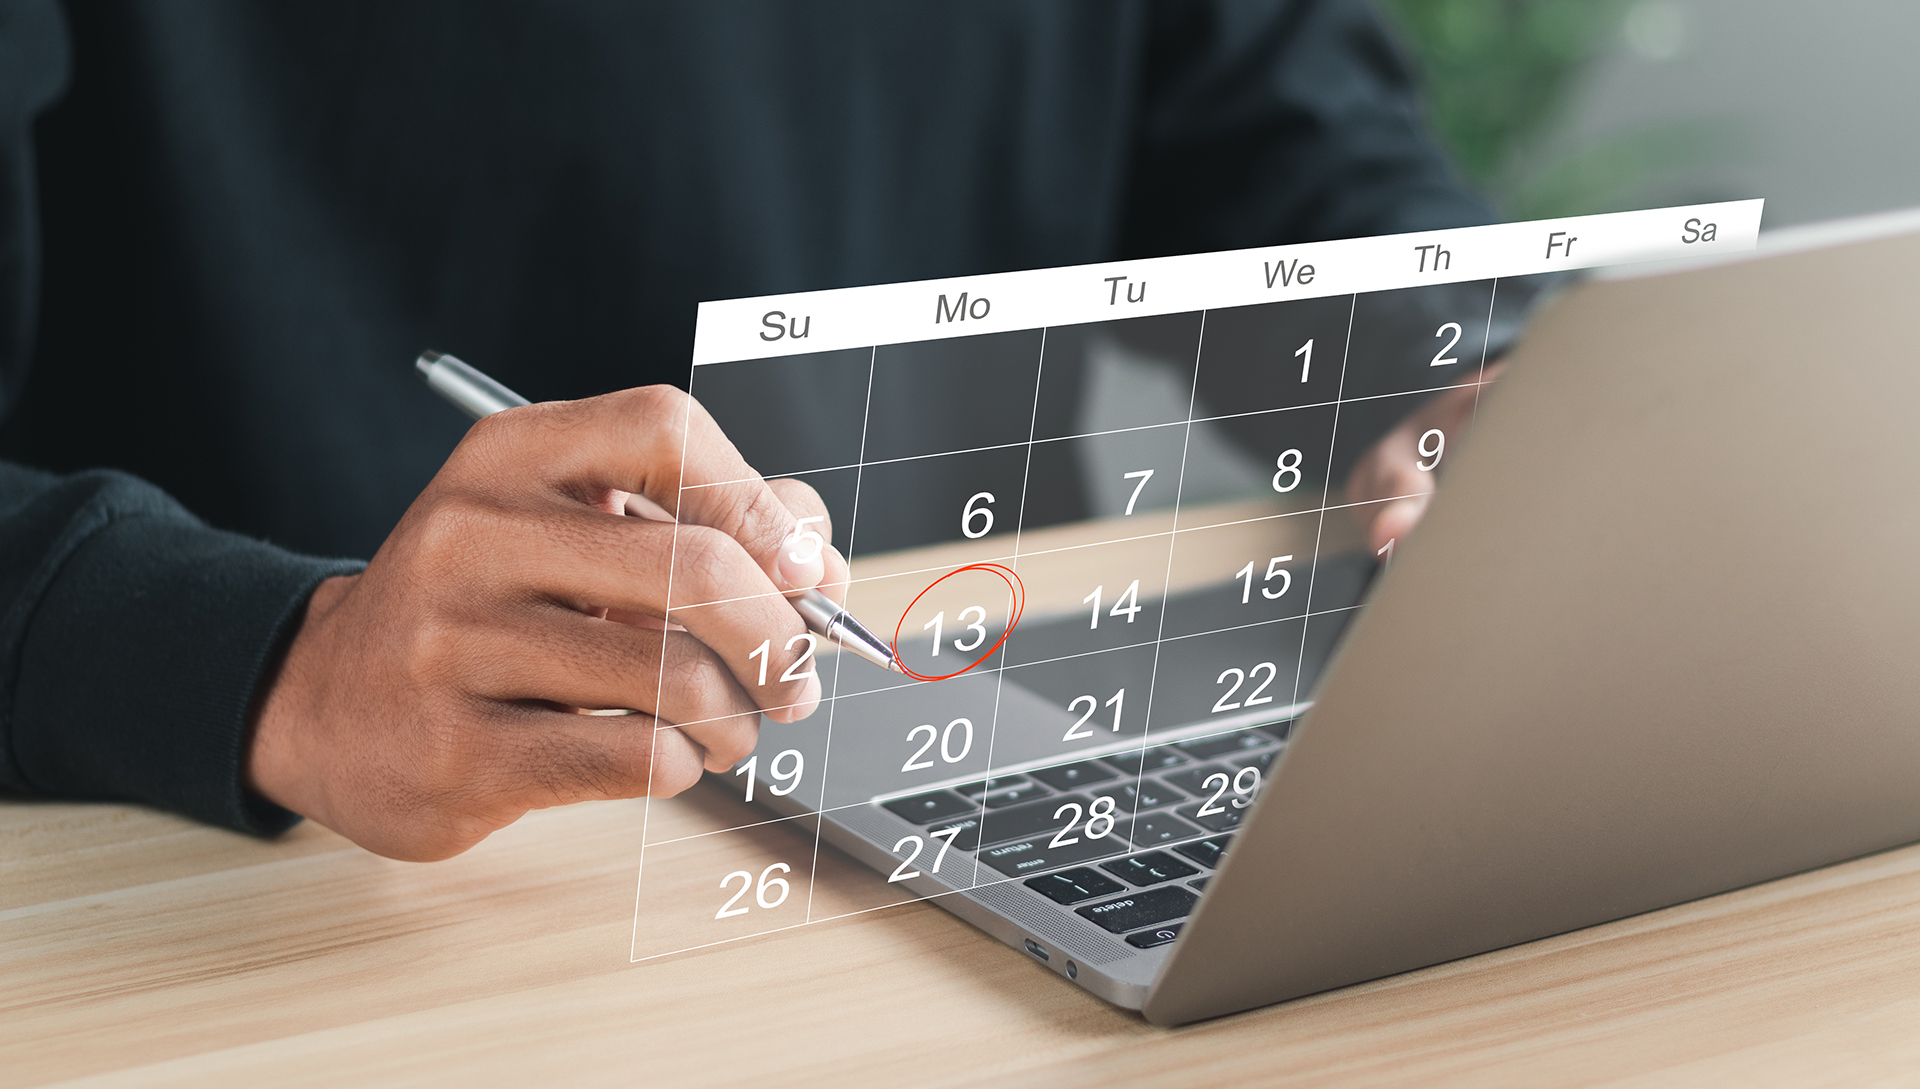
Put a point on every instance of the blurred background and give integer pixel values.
(1567, 107)
(1563, 107)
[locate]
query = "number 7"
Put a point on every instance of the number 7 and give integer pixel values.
(1144, 475)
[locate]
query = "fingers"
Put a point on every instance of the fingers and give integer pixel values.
(806, 506)
(1393, 482)
(586, 560)
(558, 759)
(559, 656)
(658, 442)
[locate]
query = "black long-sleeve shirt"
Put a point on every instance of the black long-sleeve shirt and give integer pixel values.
(226, 227)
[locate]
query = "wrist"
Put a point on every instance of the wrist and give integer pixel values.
(279, 765)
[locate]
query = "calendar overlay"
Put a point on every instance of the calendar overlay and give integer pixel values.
(1172, 623)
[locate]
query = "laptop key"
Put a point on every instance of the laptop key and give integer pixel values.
(1150, 868)
(1260, 760)
(989, 786)
(1148, 794)
(1161, 935)
(1073, 886)
(1206, 748)
(1155, 759)
(1047, 815)
(1075, 776)
(1141, 909)
(1025, 792)
(1193, 780)
(1028, 856)
(1215, 817)
(1206, 852)
(967, 839)
(1199, 884)
(927, 808)
(1279, 731)
(1155, 829)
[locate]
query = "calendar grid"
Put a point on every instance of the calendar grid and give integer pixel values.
(1250, 369)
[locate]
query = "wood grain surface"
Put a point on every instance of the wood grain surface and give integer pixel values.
(137, 948)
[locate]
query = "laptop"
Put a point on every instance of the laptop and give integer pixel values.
(1654, 640)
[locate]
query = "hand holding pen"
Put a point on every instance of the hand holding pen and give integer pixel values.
(431, 699)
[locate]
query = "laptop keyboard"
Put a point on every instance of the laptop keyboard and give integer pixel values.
(1176, 804)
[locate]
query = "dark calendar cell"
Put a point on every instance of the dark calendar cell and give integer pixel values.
(984, 386)
(1281, 355)
(1291, 446)
(1146, 474)
(1168, 340)
(1245, 671)
(1250, 573)
(968, 497)
(1417, 338)
(814, 423)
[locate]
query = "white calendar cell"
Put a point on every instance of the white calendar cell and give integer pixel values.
(703, 887)
(1098, 597)
(911, 736)
(1102, 699)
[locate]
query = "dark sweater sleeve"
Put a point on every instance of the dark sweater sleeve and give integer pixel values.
(133, 639)
(1264, 123)
(132, 636)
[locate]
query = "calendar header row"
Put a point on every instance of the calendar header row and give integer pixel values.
(858, 317)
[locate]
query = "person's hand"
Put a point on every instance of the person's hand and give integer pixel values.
(434, 698)
(1401, 468)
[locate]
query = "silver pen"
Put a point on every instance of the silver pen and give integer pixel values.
(477, 395)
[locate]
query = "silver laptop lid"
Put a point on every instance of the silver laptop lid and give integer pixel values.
(1656, 639)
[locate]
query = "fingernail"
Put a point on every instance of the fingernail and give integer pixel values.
(800, 574)
(809, 700)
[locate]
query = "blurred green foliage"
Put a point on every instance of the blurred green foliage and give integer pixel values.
(1499, 74)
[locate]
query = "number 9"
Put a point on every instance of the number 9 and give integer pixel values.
(1438, 441)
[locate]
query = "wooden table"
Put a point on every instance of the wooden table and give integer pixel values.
(139, 948)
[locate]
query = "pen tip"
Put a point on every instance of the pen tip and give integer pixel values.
(425, 363)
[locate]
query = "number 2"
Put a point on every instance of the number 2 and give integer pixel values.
(1078, 731)
(1440, 332)
(1240, 677)
(789, 673)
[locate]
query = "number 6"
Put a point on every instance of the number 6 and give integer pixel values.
(969, 512)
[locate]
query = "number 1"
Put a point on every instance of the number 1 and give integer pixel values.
(1305, 355)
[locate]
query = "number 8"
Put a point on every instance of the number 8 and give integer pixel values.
(1097, 813)
(1286, 467)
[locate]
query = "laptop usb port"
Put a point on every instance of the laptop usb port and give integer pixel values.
(1036, 949)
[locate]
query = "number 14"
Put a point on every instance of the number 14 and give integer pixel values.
(1128, 604)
